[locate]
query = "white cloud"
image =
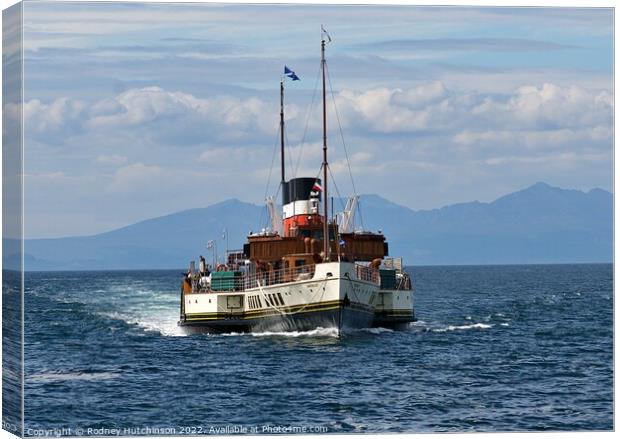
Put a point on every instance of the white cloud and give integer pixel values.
(402, 135)
(532, 117)
(551, 105)
(62, 116)
(162, 116)
(433, 107)
(135, 177)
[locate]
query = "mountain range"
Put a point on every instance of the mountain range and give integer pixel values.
(540, 224)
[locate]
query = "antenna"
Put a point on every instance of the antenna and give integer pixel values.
(326, 246)
(282, 181)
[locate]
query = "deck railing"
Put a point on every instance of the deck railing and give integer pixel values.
(274, 277)
(236, 281)
(368, 274)
(246, 281)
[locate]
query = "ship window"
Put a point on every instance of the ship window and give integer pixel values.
(299, 262)
(281, 300)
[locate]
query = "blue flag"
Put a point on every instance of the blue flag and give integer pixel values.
(291, 74)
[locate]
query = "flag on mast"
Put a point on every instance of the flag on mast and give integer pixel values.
(317, 187)
(291, 74)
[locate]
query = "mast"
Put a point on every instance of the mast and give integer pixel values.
(326, 246)
(282, 136)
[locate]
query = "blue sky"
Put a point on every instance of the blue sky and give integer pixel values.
(138, 110)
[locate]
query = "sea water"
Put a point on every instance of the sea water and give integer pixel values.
(495, 348)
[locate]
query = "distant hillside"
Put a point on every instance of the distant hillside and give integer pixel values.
(540, 224)
(165, 242)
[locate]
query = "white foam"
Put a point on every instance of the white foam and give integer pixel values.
(376, 330)
(53, 376)
(165, 324)
(463, 327)
(318, 332)
(166, 327)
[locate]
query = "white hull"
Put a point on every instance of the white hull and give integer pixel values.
(333, 297)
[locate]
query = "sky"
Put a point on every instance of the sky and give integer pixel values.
(138, 110)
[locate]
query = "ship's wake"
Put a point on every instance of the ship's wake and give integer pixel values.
(153, 308)
(140, 303)
(148, 307)
(318, 332)
(493, 321)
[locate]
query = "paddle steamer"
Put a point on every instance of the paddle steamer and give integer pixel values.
(307, 271)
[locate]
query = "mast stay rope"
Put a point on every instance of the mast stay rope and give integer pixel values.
(344, 145)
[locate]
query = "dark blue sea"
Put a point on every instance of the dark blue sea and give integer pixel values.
(496, 348)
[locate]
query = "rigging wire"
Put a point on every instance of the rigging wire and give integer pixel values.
(289, 149)
(301, 150)
(308, 114)
(344, 145)
(336, 187)
(273, 159)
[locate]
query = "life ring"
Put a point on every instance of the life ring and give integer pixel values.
(222, 267)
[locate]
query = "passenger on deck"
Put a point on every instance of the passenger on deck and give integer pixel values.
(202, 266)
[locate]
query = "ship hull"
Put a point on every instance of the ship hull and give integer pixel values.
(342, 319)
(332, 298)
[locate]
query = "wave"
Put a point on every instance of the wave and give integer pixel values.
(165, 325)
(150, 307)
(318, 332)
(378, 330)
(55, 376)
(463, 327)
